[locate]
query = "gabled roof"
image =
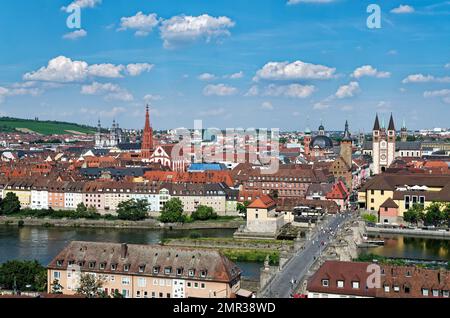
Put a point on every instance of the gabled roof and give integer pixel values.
(390, 204)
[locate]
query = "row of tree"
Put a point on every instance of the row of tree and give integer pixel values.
(436, 214)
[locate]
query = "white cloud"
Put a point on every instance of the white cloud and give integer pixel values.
(18, 91)
(75, 35)
(294, 71)
(141, 23)
(443, 93)
(347, 108)
(402, 9)
(112, 91)
(447, 65)
(321, 105)
(207, 77)
(420, 78)
(253, 91)
(187, 29)
(138, 68)
(235, 75)
(267, 106)
(293, 2)
(349, 90)
(293, 90)
(149, 98)
(219, 90)
(64, 70)
(83, 4)
(369, 70)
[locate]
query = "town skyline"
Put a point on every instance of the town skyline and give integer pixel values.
(279, 65)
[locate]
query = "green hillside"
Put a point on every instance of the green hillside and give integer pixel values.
(8, 124)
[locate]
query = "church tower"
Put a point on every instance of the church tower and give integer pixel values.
(347, 147)
(321, 129)
(404, 133)
(307, 141)
(98, 135)
(147, 138)
(383, 149)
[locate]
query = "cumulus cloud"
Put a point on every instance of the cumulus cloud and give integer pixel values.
(83, 4)
(186, 29)
(420, 78)
(75, 35)
(17, 90)
(369, 70)
(111, 91)
(64, 70)
(207, 77)
(138, 68)
(253, 91)
(237, 75)
(348, 90)
(294, 71)
(403, 9)
(293, 90)
(141, 23)
(444, 94)
(267, 106)
(150, 97)
(219, 90)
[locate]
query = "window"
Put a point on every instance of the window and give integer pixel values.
(161, 295)
(424, 291)
(91, 265)
(168, 270)
(191, 272)
(155, 282)
(407, 200)
(202, 286)
(179, 271)
(435, 293)
(195, 285)
(396, 288)
(189, 284)
(382, 192)
(203, 273)
(141, 268)
(59, 263)
(102, 265)
(113, 267)
(407, 289)
(355, 285)
(408, 274)
(325, 283)
(56, 275)
(126, 268)
(340, 284)
(156, 270)
(142, 282)
(445, 293)
(387, 289)
(125, 281)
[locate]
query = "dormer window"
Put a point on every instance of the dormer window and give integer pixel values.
(91, 265)
(113, 267)
(191, 273)
(340, 284)
(168, 270)
(156, 270)
(355, 285)
(203, 273)
(71, 263)
(141, 268)
(126, 268)
(102, 266)
(59, 263)
(325, 282)
(179, 271)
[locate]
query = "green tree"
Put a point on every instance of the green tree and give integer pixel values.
(370, 218)
(446, 215)
(133, 210)
(414, 215)
(21, 274)
(204, 213)
(172, 212)
(81, 208)
(90, 286)
(433, 215)
(10, 204)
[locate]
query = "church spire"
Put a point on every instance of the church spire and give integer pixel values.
(147, 138)
(376, 126)
(391, 123)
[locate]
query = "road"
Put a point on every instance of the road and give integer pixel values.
(297, 267)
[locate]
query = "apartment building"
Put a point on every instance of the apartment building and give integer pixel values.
(146, 271)
(336, 279)
(390, 195)
(73, 195)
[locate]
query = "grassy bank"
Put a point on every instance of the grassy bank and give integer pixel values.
(44, 127)
(251, 255)
(401, 262)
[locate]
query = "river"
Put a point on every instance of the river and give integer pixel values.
(42, 244)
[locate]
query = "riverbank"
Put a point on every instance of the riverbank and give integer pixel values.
(151, 224)
(409, 233)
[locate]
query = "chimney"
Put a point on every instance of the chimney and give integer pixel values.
(124, 251)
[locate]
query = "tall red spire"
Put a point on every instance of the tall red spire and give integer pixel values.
(147, 138)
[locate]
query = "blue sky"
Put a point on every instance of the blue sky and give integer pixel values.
(234, 63)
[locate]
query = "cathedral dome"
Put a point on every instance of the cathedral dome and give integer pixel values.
(321, 142)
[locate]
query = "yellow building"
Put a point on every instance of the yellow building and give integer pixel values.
(405, 190)
(22, 189)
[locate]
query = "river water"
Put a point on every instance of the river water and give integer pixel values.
(43, 244)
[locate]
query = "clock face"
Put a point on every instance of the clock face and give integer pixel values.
(383, 157)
